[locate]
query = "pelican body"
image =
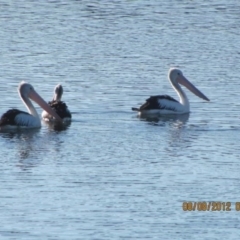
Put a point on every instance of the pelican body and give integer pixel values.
(58, 106)
(164, 104)
(15, 118)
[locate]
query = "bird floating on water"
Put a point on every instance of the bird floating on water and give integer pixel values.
(164, 104)
(15, 118)
(58, 106)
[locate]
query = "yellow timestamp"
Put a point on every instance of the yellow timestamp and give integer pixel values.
(210, 206)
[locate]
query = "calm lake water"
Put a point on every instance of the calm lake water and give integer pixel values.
(110, 175)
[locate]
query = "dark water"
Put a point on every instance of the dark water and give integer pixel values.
(111, 175)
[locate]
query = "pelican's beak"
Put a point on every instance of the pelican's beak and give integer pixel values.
(38, 99)
(183, 81)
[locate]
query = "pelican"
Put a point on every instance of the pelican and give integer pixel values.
(164, 104)
(15, 118)
(58, 106)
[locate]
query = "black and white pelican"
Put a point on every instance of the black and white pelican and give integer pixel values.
(164, 104)
(15, 118)
(58, 106)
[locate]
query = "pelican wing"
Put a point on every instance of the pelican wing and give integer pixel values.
(158, 102)
(15, 117)
(60, 108)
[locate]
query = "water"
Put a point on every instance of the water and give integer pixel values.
(111, 175)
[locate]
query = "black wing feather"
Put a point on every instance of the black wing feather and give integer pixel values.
(60, 108)
(153, 103)
(8, 118)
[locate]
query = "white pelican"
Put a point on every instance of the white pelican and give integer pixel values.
(164, 104)
(15, 118)
(58, 106)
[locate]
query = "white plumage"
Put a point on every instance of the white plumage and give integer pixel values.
(15, 118)
(164, 104)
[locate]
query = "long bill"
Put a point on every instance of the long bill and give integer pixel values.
(38, 99)
(183, 81)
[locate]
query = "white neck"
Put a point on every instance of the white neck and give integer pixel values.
(30, 107)
(183, 97)
(56, 97)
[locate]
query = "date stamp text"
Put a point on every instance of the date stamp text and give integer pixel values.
(210, 206)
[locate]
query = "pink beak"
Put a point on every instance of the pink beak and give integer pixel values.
(183, 81)
(38, 99)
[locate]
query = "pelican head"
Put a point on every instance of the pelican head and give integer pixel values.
(176, 77)
(27, 91)
(174, 73)
(58, 92)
